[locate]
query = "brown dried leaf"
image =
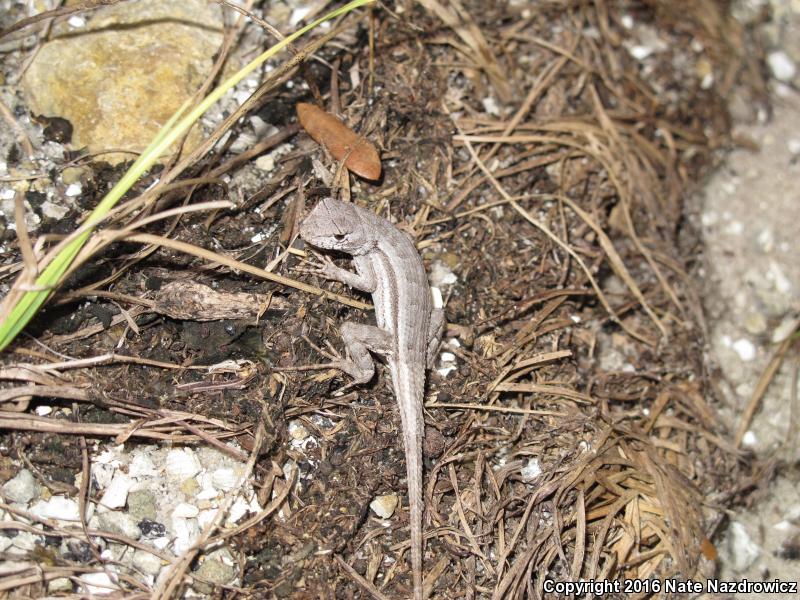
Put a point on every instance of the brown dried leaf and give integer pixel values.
(360, 156)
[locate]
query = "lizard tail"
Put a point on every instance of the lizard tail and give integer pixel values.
(417, 539)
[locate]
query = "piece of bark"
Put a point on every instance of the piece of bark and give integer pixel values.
(192, 301)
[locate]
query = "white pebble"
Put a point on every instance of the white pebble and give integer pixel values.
(99, 584)
(744, 551)
(57, 507)
(531, 471)
(116, 493)
(146, 562)
(43, 410)
(21, 488)
(745, 349)
(298, 14)
(384, 506)
(749, 438)
(73, 189)
(490, 106)
(224, 479)
(778, 278)
(51, 210)
(438, 301)
(184, 510)
(239, 508)
(794, 145)
(782, 67)
(785, 329)
(142, 466)
(445, 371)
(640, 52)
(182, 463)
(441, 275)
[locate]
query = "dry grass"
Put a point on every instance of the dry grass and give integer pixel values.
(578, 437)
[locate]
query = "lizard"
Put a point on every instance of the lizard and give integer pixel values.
(408, 329)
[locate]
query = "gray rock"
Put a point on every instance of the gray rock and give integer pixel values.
(213, 569)
(59, 584)
(142, 505)
(22, 488)
(147, 563)
(119, 522)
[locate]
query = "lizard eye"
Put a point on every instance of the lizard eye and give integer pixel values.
(339, 237)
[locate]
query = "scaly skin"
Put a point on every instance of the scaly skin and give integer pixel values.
(389, 267)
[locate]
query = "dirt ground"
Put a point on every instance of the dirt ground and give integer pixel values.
(543, 157)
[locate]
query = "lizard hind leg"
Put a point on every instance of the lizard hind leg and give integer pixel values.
(435, 331)
(360, 340)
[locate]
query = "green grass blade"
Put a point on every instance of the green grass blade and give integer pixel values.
(31, 301)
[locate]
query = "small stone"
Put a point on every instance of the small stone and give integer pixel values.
(54, 211)
(141, 465)
(225, 479)
(265, 162)
(213, 569)
(531, 471)
(793, 145)
(755, 323)
(384, 506)
(22, 488)
(766, 241)
(238, 509)
(122, 523)
(72, 175)
(142, 505)
(57, 507)
(25, 541)
(186, 532)
(640, 52)
(182, 463)
(147, 563)
(786, 328)
(185, 510)
(782, 67)
(73, 189)
(436, 293)
(745, 349)
(442, 275)
(99, 584)
(490, 106)
(778, 278)
(298, 431)
(742, 549)
(116, 493)
(749, 439)
(190, 486)
(59, 584)
(152, 529)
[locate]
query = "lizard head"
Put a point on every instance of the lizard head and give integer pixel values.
(336, 225)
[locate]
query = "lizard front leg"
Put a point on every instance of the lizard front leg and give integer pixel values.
(363, 279)
(359, 340)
